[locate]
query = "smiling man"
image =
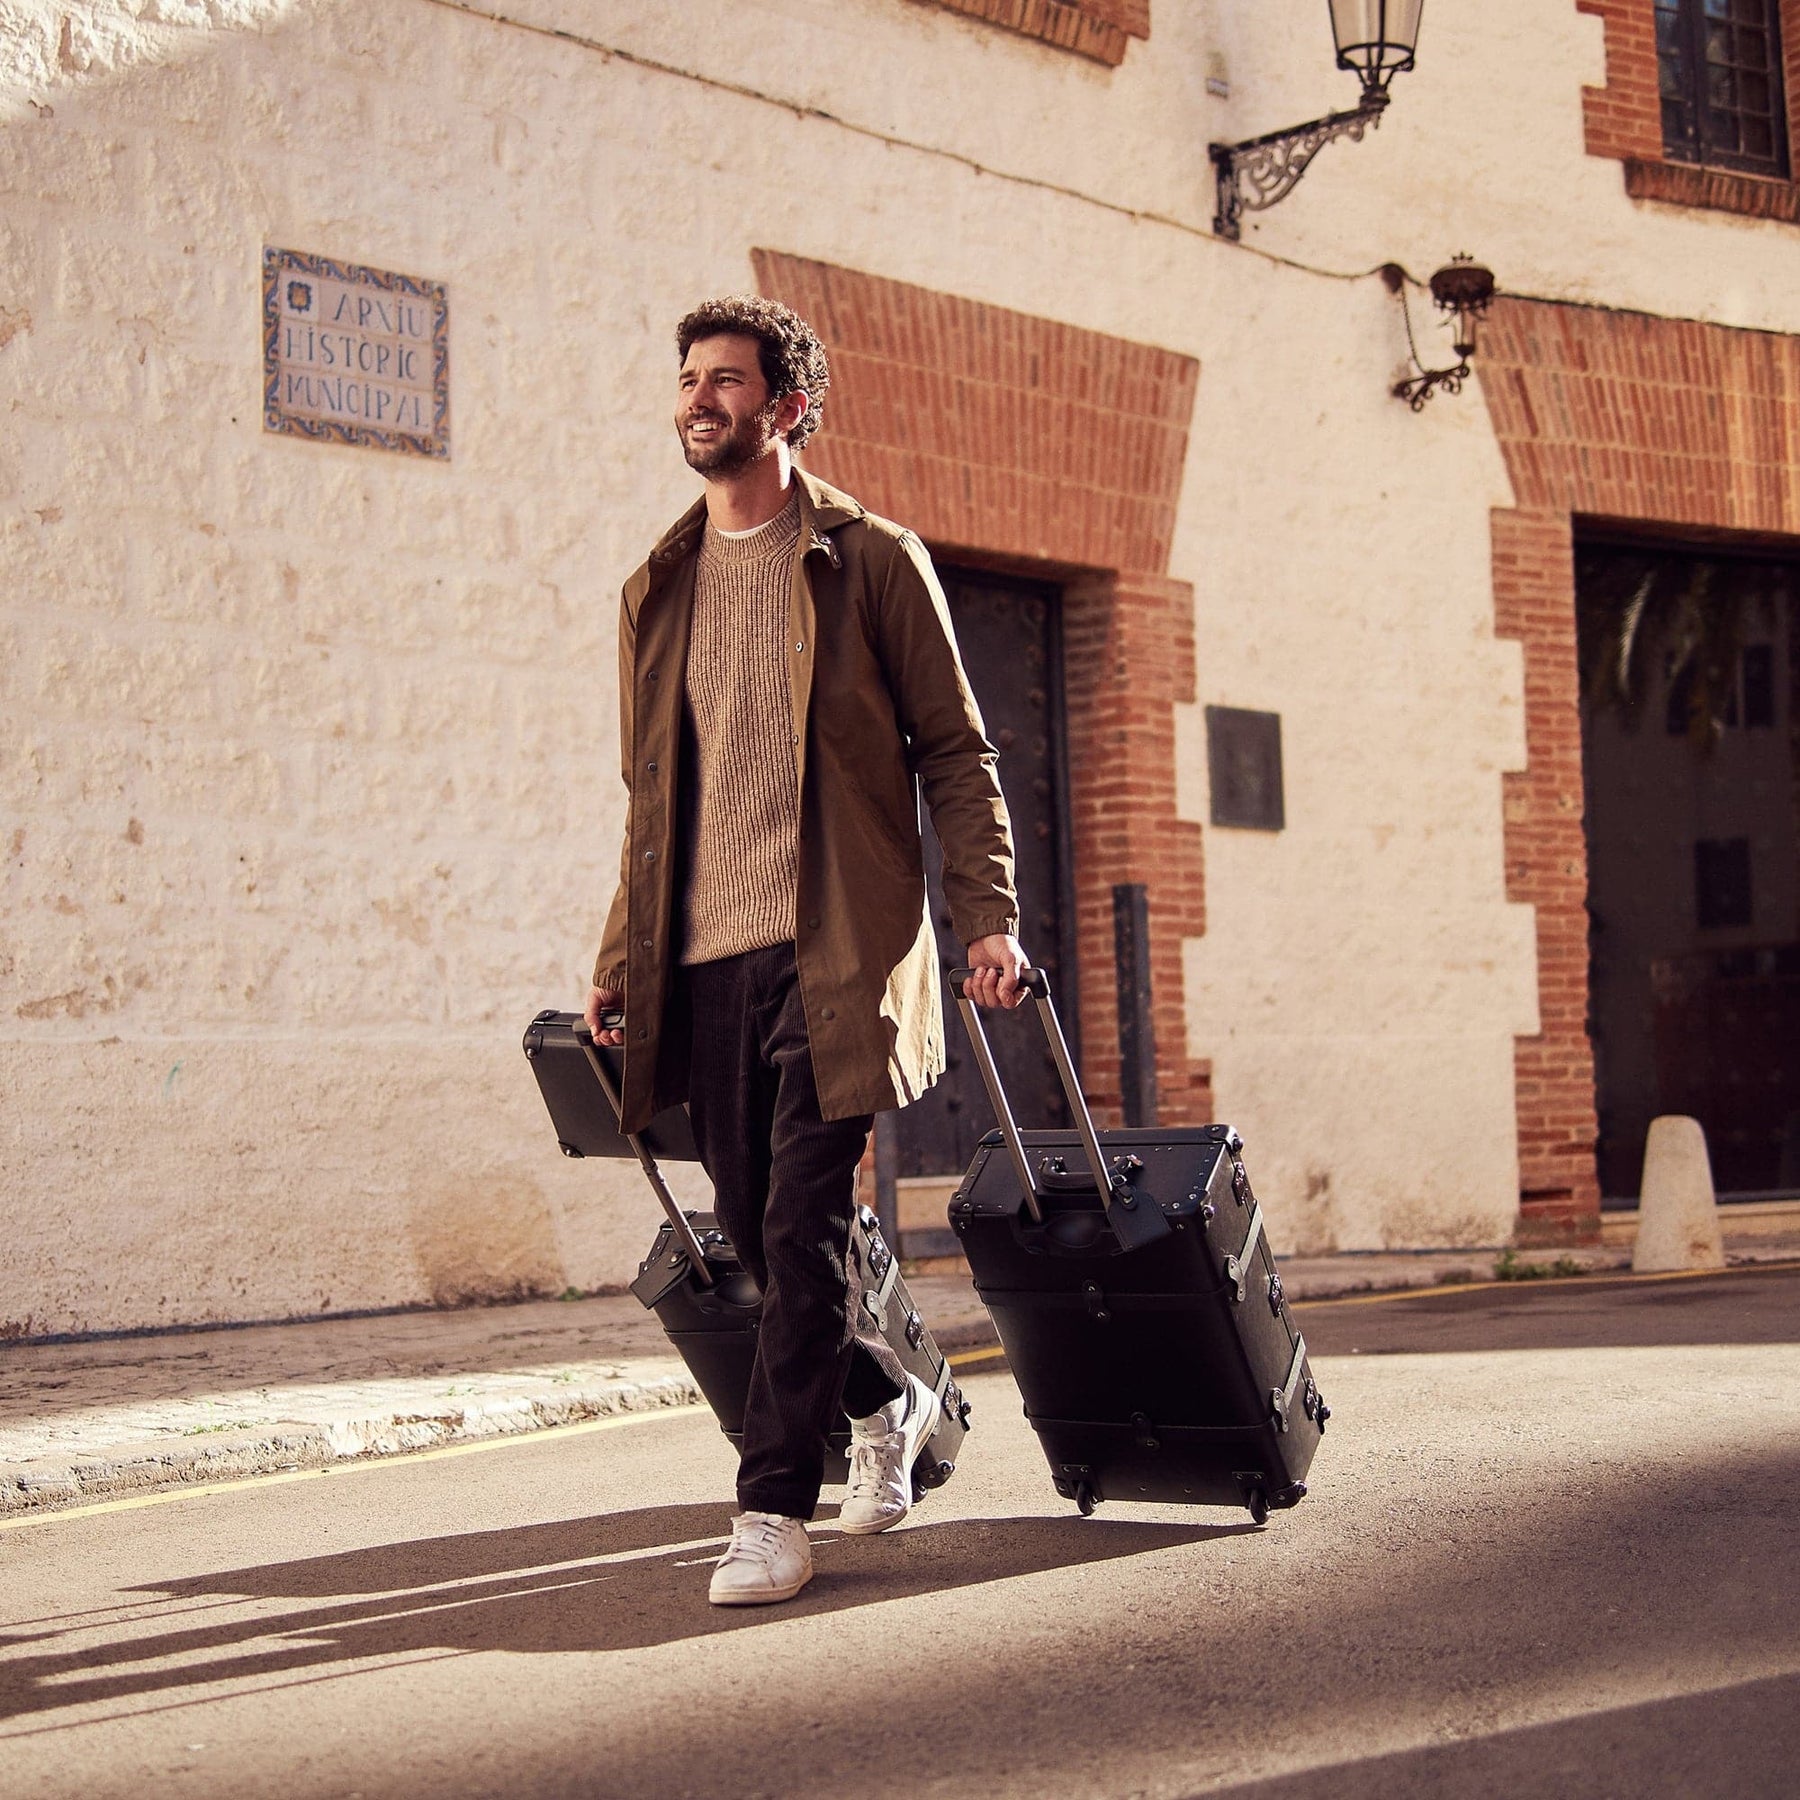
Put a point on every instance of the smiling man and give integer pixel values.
(788, 685)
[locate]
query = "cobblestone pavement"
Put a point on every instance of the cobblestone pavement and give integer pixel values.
(114, 1416)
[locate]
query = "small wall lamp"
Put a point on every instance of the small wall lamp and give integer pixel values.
(1376, 38)
(1463, 289)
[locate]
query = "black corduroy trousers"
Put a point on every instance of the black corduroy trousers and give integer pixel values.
(784, 1185)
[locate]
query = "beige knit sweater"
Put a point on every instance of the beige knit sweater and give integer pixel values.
(740, 799)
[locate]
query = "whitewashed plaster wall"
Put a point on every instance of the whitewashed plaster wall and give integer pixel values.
(309, 777)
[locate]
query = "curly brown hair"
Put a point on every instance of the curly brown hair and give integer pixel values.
(792, 358)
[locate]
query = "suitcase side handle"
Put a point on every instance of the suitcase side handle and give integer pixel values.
(1133, 1222)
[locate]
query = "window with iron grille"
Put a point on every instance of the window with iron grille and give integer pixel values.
(1719, 63)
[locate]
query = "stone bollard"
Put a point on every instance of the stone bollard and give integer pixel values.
(1678, 1216)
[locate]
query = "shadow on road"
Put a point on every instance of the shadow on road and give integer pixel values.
(1749, 1307)
(541, 1589)
(1736, 1740)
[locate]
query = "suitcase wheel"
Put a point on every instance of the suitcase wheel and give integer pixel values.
(1085, 1498)
(1258, 1503)
(927, 1476)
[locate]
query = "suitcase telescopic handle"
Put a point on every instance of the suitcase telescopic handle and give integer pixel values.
(679, 1222)
(1037, 984)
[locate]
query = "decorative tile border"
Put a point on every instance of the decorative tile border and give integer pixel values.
(353, 355)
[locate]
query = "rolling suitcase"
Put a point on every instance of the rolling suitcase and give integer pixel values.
(1130, 1279)
(692, 1279)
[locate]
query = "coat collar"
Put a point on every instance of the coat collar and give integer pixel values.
(823, 509)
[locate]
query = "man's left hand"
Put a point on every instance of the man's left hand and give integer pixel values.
(998, 962)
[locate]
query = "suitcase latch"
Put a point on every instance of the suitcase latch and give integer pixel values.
(1146, 1433)
(1281, 1399)
(882, 1265)
(1096, 1301)
(915, 1330)
(1236, 1265)
(1315, 1406)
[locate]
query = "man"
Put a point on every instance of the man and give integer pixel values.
(788, 682)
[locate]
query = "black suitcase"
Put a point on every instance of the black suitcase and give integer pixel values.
(692, 1279)
(1132, 1285)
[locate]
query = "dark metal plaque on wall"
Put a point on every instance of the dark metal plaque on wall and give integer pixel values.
(1243, 752)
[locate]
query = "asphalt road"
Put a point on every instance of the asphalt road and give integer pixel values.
(1552, 1548)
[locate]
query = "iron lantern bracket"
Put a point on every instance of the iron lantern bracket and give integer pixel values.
(1464, 290)
(1417, 389)
(1260, 171)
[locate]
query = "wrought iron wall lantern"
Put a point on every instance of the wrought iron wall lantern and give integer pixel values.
(1376, 38)
(1463, 289)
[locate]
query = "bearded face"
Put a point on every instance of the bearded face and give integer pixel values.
(715, 443)
(724, 413)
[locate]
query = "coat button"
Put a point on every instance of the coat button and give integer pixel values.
(812, 924)
(647, 943)
(651, 676)
(642, 1034)
(649, 856)
(825, 1012)
(800, 649)
(651, 766)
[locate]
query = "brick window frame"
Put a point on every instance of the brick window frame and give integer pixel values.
(1027, 445)
(1669, 425)
(1623, 120)
(1100, 30)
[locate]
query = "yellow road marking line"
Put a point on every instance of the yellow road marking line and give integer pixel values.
(201, 1490)
(963, 1358)
(1388, 1296)
(1615, 1276)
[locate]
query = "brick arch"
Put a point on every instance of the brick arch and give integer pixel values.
(1032, 443)
(1619, 416)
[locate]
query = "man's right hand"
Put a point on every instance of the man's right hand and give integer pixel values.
(604, 1000)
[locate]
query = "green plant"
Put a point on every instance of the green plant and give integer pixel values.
(224, 1425)
(1509, 1268)
(1690, 614)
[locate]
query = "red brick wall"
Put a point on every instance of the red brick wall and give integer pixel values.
(1025, 443)
(1624, 119)
(1623, 417)
(1101, 29)
(1129, 648)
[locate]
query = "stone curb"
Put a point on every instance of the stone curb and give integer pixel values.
(48, 1484)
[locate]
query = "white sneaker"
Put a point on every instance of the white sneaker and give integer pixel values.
(769, 1559)
(883, 1449)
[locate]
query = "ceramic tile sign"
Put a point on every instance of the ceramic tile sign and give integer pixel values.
(354, 355)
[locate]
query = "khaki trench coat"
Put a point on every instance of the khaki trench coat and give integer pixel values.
(881, 710)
